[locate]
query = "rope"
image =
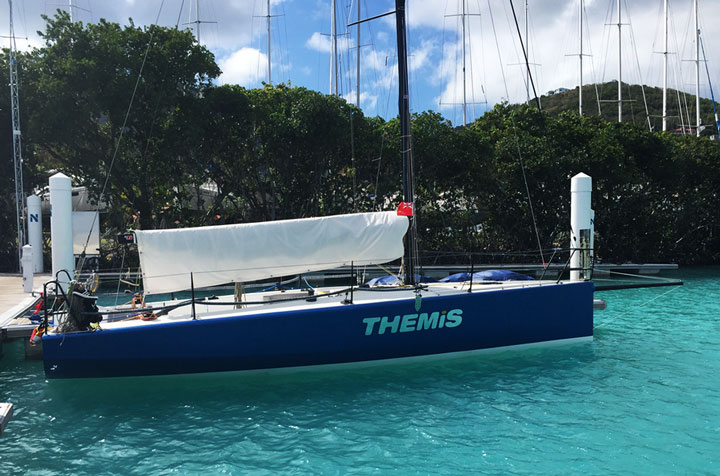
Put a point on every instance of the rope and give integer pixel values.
(122, 263)
(639, 276)
(634, 308)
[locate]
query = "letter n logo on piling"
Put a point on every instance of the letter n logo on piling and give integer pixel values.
(34, 217)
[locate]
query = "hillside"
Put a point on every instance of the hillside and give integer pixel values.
(634, 109)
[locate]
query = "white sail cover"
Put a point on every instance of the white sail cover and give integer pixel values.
(253, 251)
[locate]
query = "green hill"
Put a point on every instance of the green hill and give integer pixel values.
(634, 108)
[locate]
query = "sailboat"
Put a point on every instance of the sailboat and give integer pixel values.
(308, 328)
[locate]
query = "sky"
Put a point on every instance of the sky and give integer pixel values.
(236, 32)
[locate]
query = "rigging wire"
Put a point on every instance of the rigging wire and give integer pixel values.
(284, 49)
(712, 94)
(515, 50)
(536, 66)
(593, 71)
(684, 93)
(677, 74)
(483, 78)
(532, 83)
(519, 152)
(639, 70)
(606, 43)
(497, 46)
(122, 132)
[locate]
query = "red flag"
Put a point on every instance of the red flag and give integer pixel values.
(405, 209)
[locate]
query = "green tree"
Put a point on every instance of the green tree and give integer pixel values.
(281, 152)
(85, 77)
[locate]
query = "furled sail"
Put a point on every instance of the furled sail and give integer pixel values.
(253, 251)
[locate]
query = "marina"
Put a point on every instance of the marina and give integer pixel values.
(316, 326)
(272, 281)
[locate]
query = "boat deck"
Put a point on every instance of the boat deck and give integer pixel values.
(293, 300)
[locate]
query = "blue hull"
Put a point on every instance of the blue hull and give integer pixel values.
(352, 333)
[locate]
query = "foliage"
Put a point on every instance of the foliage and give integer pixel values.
(601, 100)
(84, 78)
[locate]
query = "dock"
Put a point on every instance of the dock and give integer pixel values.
(14, 303)
(6, 413)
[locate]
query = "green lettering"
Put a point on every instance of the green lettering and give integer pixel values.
(454, 318)
(408, 323)
(426, 321)
(392, 325)
(369, 324)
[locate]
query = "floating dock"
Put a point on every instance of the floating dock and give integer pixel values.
(6, 413)
(15, 303)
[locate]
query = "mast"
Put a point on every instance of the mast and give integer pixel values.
(268, 16)
(404, 113)
(462, 15)
(464, 104)
(580, 30)
(334, 59)
(665, 70)
(17, 141)
(619, 6)
(527, 55)
(197, 21)
(269, 70)
(697, 71)
(357, 67)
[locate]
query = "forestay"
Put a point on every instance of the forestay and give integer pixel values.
(253, 251)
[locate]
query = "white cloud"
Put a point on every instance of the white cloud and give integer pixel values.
(420, 56)
(245, 67)
(367, 100)
(319, 42)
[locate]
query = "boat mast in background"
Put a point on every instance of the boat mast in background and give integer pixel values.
(17, 140)
(697, 71)
(527, 55)
(463, 38)
(619, 25)
(665, 69)
(464, 70)
(269, 62)
(357, 66)
(333, 48)
(197, 20)
(580, 56)
(268, 16)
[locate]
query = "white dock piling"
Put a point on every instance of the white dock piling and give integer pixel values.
(581, 227)
(61, 226)
(35, 231)
(27, 268)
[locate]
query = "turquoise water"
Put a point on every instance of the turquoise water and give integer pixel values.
(642, 398)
